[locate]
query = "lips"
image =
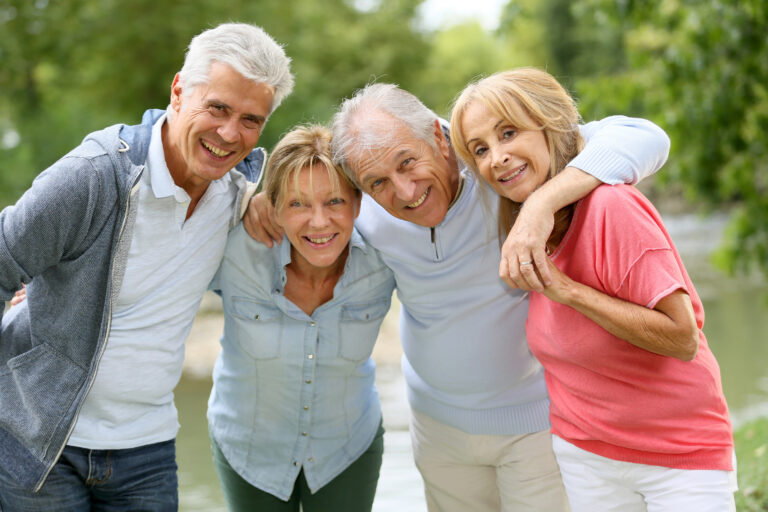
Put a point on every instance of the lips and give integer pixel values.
(513, 174)
(420, 200)
(214, 151)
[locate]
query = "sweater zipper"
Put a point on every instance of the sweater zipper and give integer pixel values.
(103, 346)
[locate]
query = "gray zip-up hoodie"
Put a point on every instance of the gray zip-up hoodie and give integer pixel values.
(68, 238)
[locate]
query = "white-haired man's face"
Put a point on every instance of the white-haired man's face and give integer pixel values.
(216, 125)
(409, 178)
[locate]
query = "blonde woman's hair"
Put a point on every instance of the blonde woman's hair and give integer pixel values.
(528, 99)
(304, 146)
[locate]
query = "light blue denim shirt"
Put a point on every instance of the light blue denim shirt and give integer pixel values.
(293, 391)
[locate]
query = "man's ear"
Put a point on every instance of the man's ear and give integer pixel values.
(442, 143)
(176, 92)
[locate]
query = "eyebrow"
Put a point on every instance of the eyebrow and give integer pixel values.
(255, 117)
(494, 127)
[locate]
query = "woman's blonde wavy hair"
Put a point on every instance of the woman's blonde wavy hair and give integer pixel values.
(520, 96)
(301, 147)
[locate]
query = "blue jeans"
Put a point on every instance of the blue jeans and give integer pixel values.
(135, 479)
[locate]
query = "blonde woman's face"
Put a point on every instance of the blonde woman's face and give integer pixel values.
(514, 162)
(317, 219)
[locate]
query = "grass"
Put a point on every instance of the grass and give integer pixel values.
(752, 454)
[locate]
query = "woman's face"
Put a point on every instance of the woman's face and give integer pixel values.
(514, 162)
(318, 221)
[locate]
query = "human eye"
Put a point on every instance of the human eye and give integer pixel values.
(376, 184)
(479, 151)
(294, 204)
(405, 162)
(508, 133)
(252, 122)
(217, 109)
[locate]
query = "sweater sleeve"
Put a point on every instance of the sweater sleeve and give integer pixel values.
(48, 223)
(622, 149)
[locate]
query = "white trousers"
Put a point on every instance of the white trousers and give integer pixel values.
(479, 473)
(599, 484)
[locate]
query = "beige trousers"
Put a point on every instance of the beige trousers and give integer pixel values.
(480, 473)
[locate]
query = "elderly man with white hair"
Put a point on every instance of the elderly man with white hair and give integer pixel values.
(479, 404)
(116, 243)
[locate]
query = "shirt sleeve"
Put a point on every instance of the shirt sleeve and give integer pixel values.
(622, 149)
(49, 222)
(637, 260)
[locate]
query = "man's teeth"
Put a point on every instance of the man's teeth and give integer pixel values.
(320, 240)
(514, 174)
(420, 200)
(216, 151)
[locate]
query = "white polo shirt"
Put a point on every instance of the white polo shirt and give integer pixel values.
(170, 263)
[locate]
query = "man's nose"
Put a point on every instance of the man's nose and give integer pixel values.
(229, 130)
(405, 188)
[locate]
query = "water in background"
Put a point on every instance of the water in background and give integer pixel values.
(736, 328)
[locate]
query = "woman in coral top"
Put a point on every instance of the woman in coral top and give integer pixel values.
(637, 408)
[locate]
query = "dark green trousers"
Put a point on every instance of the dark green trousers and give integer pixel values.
(353, 490)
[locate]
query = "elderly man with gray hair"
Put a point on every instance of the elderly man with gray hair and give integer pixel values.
(117, 242)
(479, 423)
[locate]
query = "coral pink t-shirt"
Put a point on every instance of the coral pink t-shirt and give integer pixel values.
(608, 396)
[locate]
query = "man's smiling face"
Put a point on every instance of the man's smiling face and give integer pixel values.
(408, 178)
(216, 125)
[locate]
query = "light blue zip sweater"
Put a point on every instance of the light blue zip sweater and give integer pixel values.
(68, 238)
(466, 360)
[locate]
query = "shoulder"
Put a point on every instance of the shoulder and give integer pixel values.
(624, 199)
(241, 245)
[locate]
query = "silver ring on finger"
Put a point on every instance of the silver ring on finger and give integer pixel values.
(529, 262)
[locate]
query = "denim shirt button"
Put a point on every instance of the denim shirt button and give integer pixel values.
(309, 459)
(306, 407)
(308, 381)
(304, 434)
(312, 324)
(311, 356)
(295, 463)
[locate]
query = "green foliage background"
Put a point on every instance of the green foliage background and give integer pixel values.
(697, 68)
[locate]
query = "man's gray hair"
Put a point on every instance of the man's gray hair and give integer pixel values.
(248, 49)
(359, 124)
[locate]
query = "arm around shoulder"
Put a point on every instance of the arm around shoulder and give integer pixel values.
(622, 149)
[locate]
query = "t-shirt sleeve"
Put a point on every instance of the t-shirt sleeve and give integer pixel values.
(637, 261)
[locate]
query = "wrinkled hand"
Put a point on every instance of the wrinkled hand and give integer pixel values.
(260, 221)
(561, 287)
(524, 254)
(19, 297)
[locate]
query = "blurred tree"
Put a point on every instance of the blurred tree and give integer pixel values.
(460, 54)
(701, 70)
(74, 66)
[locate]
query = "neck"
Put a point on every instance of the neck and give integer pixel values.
(313, 275)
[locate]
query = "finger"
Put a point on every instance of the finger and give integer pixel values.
(528, 273)
(541, 260)
(273, 227)
(517, 275)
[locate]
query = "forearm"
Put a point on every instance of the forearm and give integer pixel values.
(570, 185)
(670, 332)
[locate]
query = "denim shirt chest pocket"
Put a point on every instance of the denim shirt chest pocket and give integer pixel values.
(359, 327)
(259, 327)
